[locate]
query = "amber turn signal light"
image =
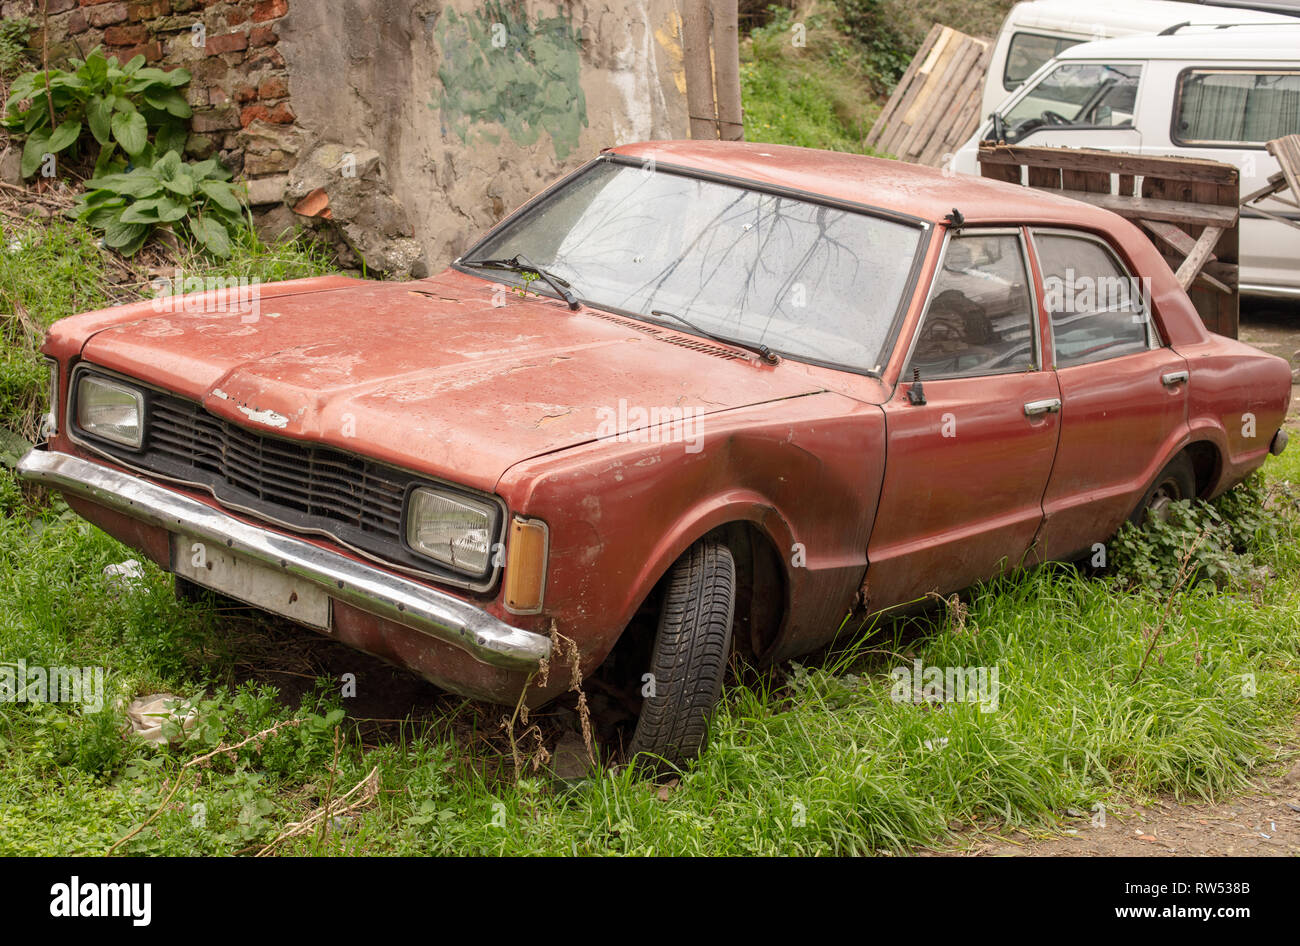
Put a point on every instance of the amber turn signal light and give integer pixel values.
(526, 565)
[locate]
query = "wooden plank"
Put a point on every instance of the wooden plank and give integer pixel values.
(942, 132)
(936, 61)
(1111, 162)
(1222, 273)
(1145, 208)
(1276, 182)
(906, 89)
(941, 98)
(906, 85)
(1173, 236)
(1045, 178)
(966, 104)
(1201, 252)
(1287, 151)
(935, 107)
(1011, 173)
(1213, 283)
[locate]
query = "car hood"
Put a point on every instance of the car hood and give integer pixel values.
(449, 376)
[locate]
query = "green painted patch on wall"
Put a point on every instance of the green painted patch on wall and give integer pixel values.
(499, 68)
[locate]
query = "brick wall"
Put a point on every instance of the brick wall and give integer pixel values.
(239, 88)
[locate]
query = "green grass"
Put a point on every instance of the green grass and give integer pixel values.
(820, 95)
(815, 759)
(54, 268)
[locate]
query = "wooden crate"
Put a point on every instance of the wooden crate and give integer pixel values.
(935, 106)
(1187, 206)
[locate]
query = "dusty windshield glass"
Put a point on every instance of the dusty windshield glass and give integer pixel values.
(807, 280)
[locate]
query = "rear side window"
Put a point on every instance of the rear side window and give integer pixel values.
(1096, 307)
(1236, 107)
(1026, 52)
(980, 317)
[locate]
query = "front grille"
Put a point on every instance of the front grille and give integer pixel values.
(314, 481)
(306, 487)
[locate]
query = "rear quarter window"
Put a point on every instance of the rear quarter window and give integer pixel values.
(1095, 305)
(1235, 107)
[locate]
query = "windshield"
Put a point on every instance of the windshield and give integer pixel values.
(1089, 94)
(809, 281)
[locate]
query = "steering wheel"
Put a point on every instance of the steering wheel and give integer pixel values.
(1054, 118)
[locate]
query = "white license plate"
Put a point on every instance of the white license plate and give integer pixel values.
(211, 566)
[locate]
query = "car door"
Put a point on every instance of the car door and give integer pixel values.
(966, 469)
(1123, 391)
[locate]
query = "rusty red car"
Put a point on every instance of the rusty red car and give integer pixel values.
(693, 396)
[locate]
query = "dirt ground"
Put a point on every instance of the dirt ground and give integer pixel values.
(1264, 823)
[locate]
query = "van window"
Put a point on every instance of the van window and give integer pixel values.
(1096, 307)
(1026, 52)
(1236, 107)
(1077, 94)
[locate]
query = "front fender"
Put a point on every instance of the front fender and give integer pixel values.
(805, 471)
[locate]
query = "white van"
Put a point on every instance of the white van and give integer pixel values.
(1035, 32)
(1200, 92)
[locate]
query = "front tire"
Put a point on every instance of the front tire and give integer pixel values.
(692, 642)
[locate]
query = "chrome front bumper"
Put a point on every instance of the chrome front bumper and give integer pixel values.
(365, 587)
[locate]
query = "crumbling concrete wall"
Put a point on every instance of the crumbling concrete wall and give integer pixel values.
(472, 107)
(404, 127)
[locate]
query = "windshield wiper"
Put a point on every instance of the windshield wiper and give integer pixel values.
(520, 264)
(758, 348)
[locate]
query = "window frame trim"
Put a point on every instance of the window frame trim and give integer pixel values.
(1179, 82)
(904, 375)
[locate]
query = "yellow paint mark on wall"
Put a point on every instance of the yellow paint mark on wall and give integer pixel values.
(669, 37)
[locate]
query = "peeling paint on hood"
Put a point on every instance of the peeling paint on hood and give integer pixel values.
(441, 380)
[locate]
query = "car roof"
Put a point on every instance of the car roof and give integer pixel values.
(1143, 16)
(909, 189)
(1279, 42)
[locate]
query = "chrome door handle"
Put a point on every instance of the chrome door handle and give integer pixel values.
(1174, 377)
(1051, 405)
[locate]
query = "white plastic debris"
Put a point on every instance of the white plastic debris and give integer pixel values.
(147, 715)
(124, 574)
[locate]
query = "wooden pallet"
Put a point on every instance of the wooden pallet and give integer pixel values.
(935, 106)
(1187, 205)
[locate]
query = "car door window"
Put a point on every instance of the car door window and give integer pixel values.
(980, 316)
(1077, 95)
(1096, 308)
(1236, 107)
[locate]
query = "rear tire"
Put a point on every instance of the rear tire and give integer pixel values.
(1176, 482)
(692, 642)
